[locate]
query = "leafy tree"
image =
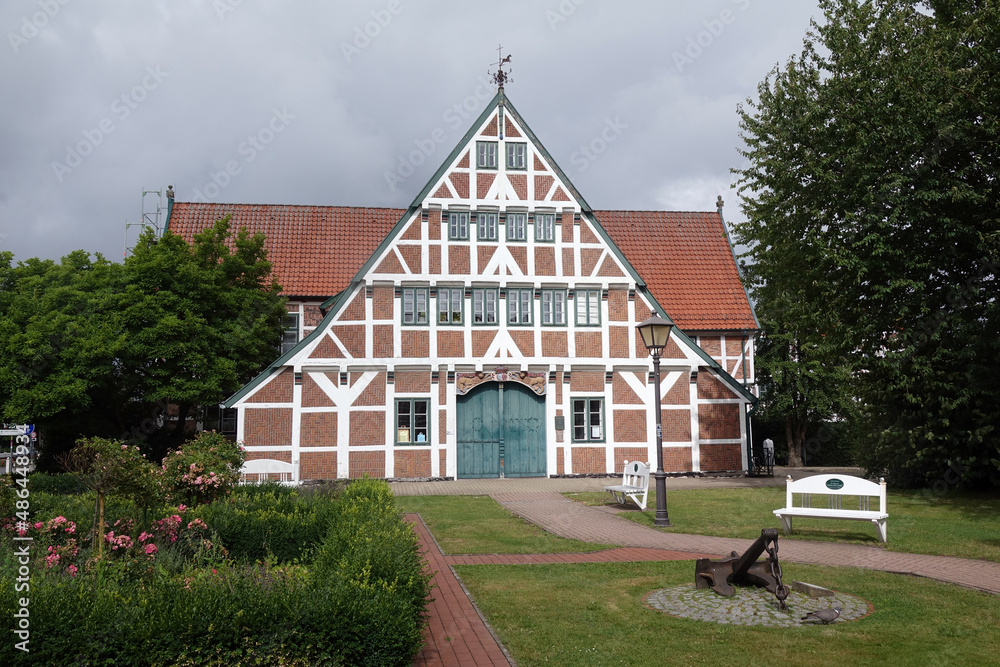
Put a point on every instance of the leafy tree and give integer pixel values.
(873, 210)
(93, 348)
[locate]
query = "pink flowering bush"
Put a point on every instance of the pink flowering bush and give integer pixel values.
(203, 469)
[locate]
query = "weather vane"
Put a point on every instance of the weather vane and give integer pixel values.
(501, 77)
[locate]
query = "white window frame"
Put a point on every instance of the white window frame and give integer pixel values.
(554, 307)
(545, 227)
(413, 306)
(486, 155)
(520, 307)
(484, 305)
(517, 155)
(450, 304)
(458, 225)
(517, 224)
(588, 307)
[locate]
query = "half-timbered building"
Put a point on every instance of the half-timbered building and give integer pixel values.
(489, 329)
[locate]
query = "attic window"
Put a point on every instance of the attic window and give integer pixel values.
(290, 337)
(486, 155)
(458, 226)
(517, 155)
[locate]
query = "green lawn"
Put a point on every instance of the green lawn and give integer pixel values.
(592, 614)
(479, 525)
(954, 525)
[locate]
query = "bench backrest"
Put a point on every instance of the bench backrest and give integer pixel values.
(636, 474)
(263, 470)
(835, 485)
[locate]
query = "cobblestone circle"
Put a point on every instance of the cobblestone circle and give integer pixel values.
(751, 606)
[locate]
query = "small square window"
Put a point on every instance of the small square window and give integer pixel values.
(484, 306)
(487, 226)
(545, 227)
(415, 305)
(412, 424)
(588, 307)
(516, 224)
(588, 419)
(450, 305)
(516, 155)
(486, 155)
(554, 307)
(458, 225)
(519, 302)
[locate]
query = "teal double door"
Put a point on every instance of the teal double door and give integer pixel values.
(501, 432)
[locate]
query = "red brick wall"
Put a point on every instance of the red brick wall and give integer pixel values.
(412, 462)
(450, 344)
(525, 341)
(588, 460)
(458, 260)
(719, 421)
(412, 231)
(520, 184)
(543, 183)
(676, 425)
(355, 310)
(712, 345)
(622, 393)
(587, 381)
(434, 223)
(520, 255)
(318, 465)
(311, 316)
(587, 234)
(481, 340)
(568, 264)
(368, 428)
(676, 459)
(623, 454)
(312, 395)
(360, 463)
(461, 183)
(277, 390)
(630, 425)
(734, 346)
(434, 259)
(588, 260)
(267, 427)
(717, 458)
(680, 393)
(609, 269)
(374, 393)
(352, 336)
(326, 349)
(484, 181)
(545, 261)
(382, 341)
(618, 342)
(554, 344)
(416, 345)
(411, 255)
(442, 428)
(484, 254)
(618, 305)
(382, 296)
(560, 461)
(588, 344)
(442, 462)
(413, 382)
(710, 387)
(318, 429)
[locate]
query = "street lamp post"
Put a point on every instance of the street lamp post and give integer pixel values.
(655, 333)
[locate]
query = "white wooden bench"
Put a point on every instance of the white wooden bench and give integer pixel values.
(258, 471)
(635, 484)
(834, 487)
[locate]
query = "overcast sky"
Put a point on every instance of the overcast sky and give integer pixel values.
(326, 102)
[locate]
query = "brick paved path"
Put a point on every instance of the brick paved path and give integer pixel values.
(458, 635)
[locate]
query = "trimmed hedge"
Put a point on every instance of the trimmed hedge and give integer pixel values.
(360, 603)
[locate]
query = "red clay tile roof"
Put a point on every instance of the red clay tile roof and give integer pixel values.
(687, 264)
(317, 250)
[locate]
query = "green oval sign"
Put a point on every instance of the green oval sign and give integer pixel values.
(835, 484)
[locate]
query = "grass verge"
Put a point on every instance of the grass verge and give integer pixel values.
(479, 525)
(592, 614)
(952, 525)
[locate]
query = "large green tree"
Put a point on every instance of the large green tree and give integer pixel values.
(871, 192)
(90, 348)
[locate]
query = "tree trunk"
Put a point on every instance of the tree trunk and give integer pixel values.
(99, 537)
(795, 436)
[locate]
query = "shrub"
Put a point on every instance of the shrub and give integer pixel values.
(60, 484)
(203, 469)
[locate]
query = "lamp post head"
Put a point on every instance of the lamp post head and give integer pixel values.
(655, 333)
